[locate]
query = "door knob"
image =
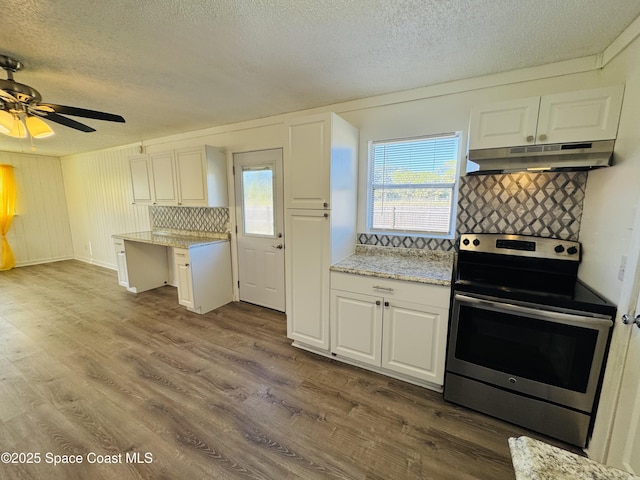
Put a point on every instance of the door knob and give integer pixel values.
(626, 319)
(279, 246)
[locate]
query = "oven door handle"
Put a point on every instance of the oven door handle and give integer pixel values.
(557, 317)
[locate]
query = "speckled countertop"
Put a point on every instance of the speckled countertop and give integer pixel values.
(173, 238)
(536, 460)
(410, 264)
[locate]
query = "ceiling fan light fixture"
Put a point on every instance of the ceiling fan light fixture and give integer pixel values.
(38, 128)
(7, 122)
(18, 130)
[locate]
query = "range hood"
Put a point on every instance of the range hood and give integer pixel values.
(555, 157)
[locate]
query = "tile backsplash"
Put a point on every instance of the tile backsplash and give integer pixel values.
(540, 204)
(201, 219)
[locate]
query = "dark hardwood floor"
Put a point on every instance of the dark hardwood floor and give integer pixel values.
(88, 369)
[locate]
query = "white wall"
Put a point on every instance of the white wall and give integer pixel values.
(424, 111)
(99, 196)
(612, 198)
(613, 194)
(40, 230)
(99, 191)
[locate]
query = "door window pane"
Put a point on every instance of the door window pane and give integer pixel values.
(257, 202)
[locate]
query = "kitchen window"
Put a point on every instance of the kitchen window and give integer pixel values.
(412, 186)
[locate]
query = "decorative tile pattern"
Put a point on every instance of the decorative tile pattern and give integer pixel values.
(540, 204)
(405, 242)
(202, 219)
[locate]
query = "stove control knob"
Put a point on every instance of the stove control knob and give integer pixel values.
(572, 250)
(559, 249)
(476, 242)
(465, 242)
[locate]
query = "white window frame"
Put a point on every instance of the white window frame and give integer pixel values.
(454, 193)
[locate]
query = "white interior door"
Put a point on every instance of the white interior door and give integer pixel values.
(259, 213)
(616, 434)
(624, 451)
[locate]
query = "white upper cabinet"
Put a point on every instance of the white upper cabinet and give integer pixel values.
(585, 115)
(141, 180)
(504, 124)
(163, 174)
(588, 115)
(202, 177)
(308, 163)
(193, 176)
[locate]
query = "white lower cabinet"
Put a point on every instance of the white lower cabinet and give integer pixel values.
(395, 326)
(204, 276)
(356, 326)
(183, 275)
(121, 262)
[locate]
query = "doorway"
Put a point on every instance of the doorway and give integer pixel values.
(260, 221)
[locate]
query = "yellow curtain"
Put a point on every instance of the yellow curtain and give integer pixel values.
(7, 206)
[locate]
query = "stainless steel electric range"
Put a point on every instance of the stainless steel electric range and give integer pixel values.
(527, 339)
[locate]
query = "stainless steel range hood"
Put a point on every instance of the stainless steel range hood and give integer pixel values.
(541, 158)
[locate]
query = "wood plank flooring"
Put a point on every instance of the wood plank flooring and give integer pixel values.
(88, 369)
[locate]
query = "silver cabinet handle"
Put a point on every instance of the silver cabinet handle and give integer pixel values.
(386, 289)
(279, 246)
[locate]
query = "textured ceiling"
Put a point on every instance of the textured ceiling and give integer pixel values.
(171, 66)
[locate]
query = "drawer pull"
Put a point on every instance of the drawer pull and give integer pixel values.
(386, 289)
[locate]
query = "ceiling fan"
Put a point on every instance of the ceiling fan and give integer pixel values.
(21, 103)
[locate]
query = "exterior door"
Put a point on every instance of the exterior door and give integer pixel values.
(259, 213)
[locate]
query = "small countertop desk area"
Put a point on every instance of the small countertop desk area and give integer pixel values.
(199, 264)
(536, 460)
(173, 239)
(408, 264)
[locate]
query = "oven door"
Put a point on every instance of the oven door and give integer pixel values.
(551, 355)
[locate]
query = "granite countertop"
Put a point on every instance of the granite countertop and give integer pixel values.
(176, 239)
(536, 460)
(409, 264)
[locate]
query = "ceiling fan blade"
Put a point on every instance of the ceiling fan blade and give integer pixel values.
(83, 112)
(7, 96)
(67, 122)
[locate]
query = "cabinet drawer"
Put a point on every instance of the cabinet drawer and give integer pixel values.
(424, 294)
(181, 255)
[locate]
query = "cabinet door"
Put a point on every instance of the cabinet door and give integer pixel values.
(356, 326)
(121, 262)
(307, 163)
(504, 124)
(191, 170)
(164, 178)
(585, 115)
(307, 261)
(185, 279)
(140, 180)
(414, 340)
